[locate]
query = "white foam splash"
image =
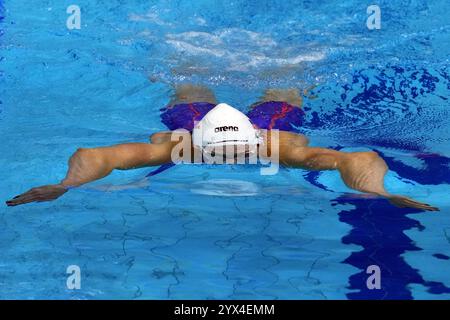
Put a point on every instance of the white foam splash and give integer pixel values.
(238, 49)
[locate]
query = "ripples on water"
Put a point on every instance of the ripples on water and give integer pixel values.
(385, 89)
(392, 80)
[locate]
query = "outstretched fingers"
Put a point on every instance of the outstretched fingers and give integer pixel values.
(29, 196)
(44, 193)
(405, 202)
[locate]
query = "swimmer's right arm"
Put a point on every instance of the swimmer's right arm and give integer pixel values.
(87, 165)
(91, 164)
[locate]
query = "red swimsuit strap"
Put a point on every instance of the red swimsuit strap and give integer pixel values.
(194, 111)
(285, 108)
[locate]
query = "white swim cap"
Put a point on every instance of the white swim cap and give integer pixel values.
(224, 125)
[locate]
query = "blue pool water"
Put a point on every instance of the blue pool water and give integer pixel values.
(224, 232)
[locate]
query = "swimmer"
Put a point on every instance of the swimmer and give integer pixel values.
(195, 109)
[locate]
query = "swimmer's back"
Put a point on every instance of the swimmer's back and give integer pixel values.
(279, 115)
(184, 115)
(267, 115)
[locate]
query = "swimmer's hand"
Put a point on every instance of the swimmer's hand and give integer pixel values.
(39, 194)
(91, 164)
(405, 202)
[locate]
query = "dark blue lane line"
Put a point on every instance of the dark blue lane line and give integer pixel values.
(441, 256)
(436, 169)
(379, 228)
(312, 177)
(160, 169)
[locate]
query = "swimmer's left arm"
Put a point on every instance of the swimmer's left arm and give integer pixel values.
(362, 171)
(90, 164)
